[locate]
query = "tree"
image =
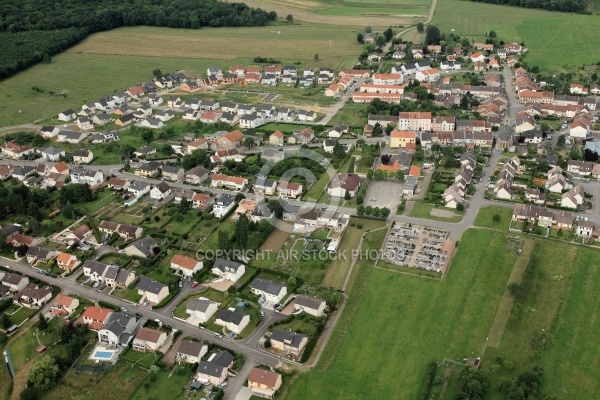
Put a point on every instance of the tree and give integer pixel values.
(47, 59)
(399, 175)
(420, 27)
(384, 212)
(147, 135)
(460, 207)
(377, 130)
(562, 140)
(184, 206)
(360, 38)
(289, 18)
(44, 373)
(338, 151)
(368, 29)
(472, 385)
(42, 323)
(347, 196)
(242, 231)
(380, 41)
(432, 35)
(224, 242)
(28, 394)
(496, 217)
(267, 344)
(316, 57)
(166, 149)
(389, 34)
(360, 210)
(292, 281)
(5, 321)
(249, 142)
(157, 73)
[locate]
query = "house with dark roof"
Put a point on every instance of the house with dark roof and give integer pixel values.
(82, 156)
(232, 320)
(344, 183)
(148, 169)
(190, 352)
(118, 330)
(36, 253)
(142, 248)
(172, 174)
(228, 270)
(160, 191)
(52, 153)
(271, 291)
(201, 309)
(310, 305)
(32, 296)
(292, 342)
(148, 340)
(14, 282)
(152, 290)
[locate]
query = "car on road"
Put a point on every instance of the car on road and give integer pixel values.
(223, 385)
(123, 309)
(194, 284)
(218, 335)
(139, 315)
(95, 285)
(158, 321)
(262, 313)
(486, 197)
(180, 283)
(145, 304)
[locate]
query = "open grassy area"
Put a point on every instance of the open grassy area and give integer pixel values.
(115, 60)
(434, 319)
(352, 114)
(485, 217)
(122, 379)
(317, 189)
(553, 324)
(553, 38)
(423, 210)
(338, 269)
(165, 386)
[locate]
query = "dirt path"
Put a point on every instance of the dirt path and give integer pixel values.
(506, 304)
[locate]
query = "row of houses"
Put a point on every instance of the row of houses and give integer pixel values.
(455, 193)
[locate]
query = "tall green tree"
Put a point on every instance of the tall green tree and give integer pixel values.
(420, 27)
(242, 232)
(44, 373)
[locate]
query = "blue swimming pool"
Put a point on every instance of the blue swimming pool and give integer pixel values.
(103, 354)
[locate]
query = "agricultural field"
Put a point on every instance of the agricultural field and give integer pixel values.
(360, 13)
(554, 39)
(449, 318)
(553, 324)
(98, 66)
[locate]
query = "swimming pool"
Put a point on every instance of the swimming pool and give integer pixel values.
(103, 354)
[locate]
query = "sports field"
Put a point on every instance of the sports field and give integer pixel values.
(554, 39)
(115, 60)
(403, 322)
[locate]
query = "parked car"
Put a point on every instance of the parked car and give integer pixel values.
(218, 335)
(194, 284)
(95, 285)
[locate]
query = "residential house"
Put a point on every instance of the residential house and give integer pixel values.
(201, 309)
(152, 290)
(36, 253)
(196, 175)
(160, 191)
(342, 184)
(82, 175)
(64, 305)
(21, 173)
(580, 168)
(14, 151)
(414, 121)
(223, 205)
(125, 120)
(67, 115)
(276, 138)
(67, 261)
(188, 266)
(32, 296)
(139, 188)
(148, 169)
(228, 270)
(264, 383)
(95, 317)
(428, 75)
(148, 340)
(400, 139)
(201, 201)
(291, 190)
(118, 184)
(291, 342)
(211, 373)
(145, 151)
(52, 153)
(82, 156)
(229, 182)
(231, 140)
(142, 248)
(263, 186)
(118, 330)
(585, 229)
(152, 123)
(172, 174)
(232, 320)
(310, 305)
(84, 123)
(271, 291)
(14, 282)
(304, 115)
(190, 352)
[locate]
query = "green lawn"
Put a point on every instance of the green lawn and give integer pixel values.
(23, 349)
(165, 386)
(553, 38)
(105, 197)
(118, 383)
(352, 114)
(560, 307)
(485, 217)
(145, 360)
(297, 325)
(409, 321)
(130, 294)
(317, 189)
(212, 241)
(423, 210)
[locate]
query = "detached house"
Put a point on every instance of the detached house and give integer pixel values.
(95, 317)
(223, 205)
(271, 291)
(342, 184)
(310, 305)
(289, 190)
(201, 309)
(172, 174)
(160, 191)
(64, 305)
(264, 383)
(67, 261)
(36, 253)
(188, 266)
(147, 339)
(232, 320)
(52, 153)
(190, 352)
(148, 169)
(142, 248)
(82, 156)
(228, 270)
(32, 296)
(117, 330)
(152, 290)
(288, 341)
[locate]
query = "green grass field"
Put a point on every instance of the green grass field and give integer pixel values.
(553, 38)
(403, 322)
(485, 217)
(560, 308)
(423, 210)
(115, 60)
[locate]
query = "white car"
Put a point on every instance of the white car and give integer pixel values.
(95, 285)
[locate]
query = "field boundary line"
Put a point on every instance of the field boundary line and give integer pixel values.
(506, 303)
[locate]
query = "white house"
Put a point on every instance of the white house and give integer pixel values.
(118, 330)
(310, 305)
(160, 191)
(190, 352)
(201, 309)
(232, 320)
(188, 266)
(228, 270)
(271, 291)
(223, 205)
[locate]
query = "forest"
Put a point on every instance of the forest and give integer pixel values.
(576, 6)
(34, 30)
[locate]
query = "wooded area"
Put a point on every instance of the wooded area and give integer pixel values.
(35, 30)
(577, 6)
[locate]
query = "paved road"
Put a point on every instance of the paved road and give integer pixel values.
(69, 286)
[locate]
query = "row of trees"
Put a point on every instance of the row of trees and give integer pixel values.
(34, 30)
(576, 6)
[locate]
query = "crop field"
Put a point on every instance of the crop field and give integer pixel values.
(554, 39)
(553, 324)
(423, 320)
(115, 60)
(360, 13)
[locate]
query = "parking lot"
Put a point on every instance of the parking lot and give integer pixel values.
(384, 194)
(418, 247)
